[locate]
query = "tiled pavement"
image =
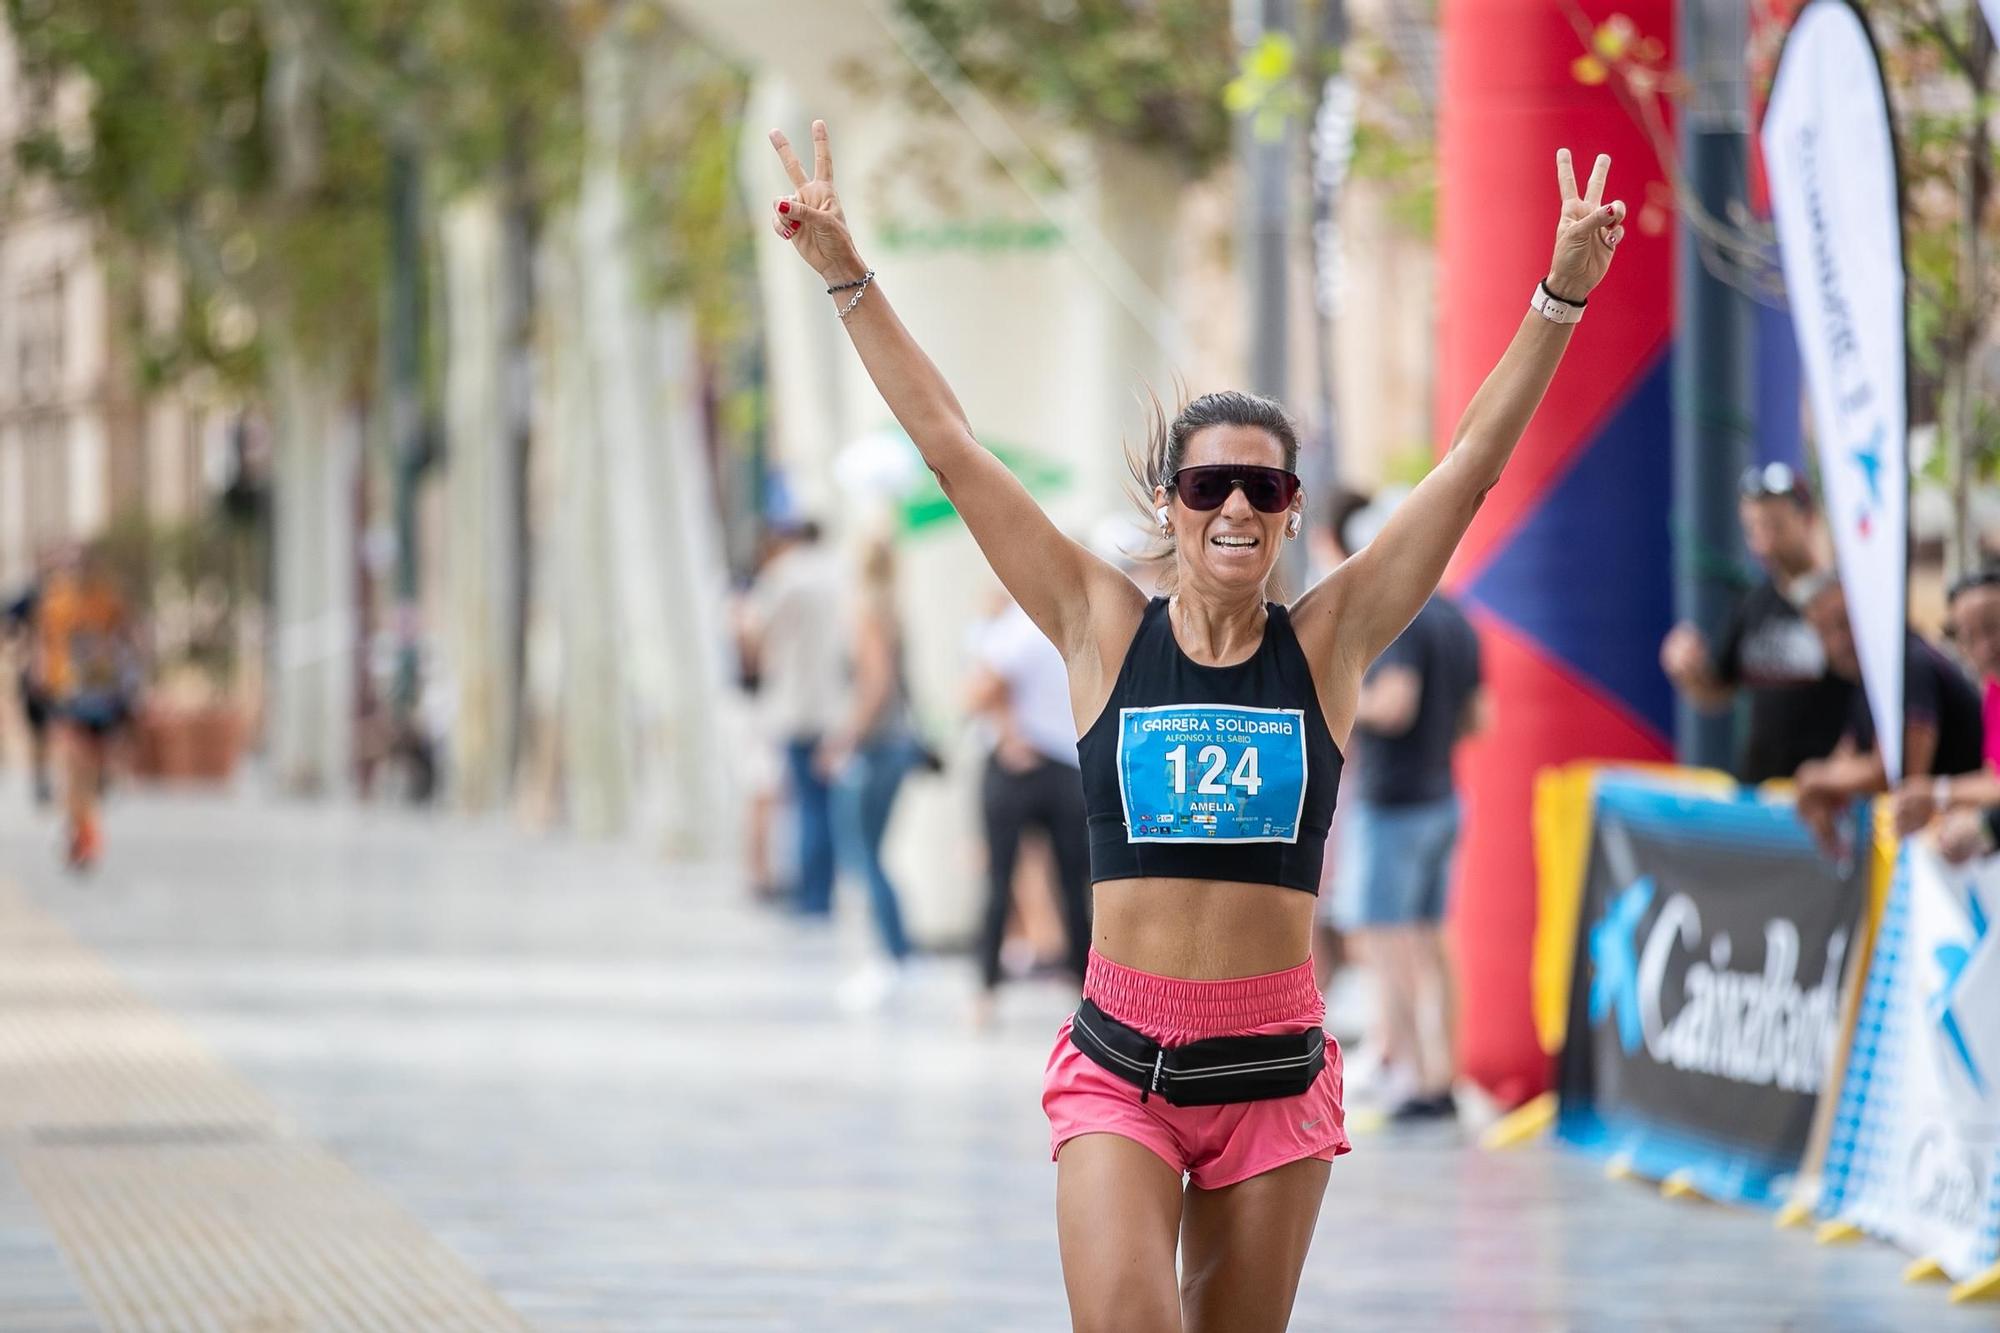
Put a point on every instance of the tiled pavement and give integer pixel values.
(282, 1068)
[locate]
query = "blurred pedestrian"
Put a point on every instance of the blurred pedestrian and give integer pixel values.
(1400, 830)
(1943, 733)
(89, 668)
(18, 625)
(867, 756)
(793, 627)
(1194, 1100)
(1031, 783)
(1798, 705)
(761, 760)
(1972, 608)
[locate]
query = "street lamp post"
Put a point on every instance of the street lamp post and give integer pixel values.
(1714, 422)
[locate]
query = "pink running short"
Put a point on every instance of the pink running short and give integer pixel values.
(1213, 1145)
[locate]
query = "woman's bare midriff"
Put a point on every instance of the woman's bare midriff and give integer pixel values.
(1202, 929)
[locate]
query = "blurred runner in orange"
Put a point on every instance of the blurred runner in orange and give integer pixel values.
(85, 662)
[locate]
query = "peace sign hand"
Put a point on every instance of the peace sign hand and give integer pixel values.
(1587, 234)
(810, 217)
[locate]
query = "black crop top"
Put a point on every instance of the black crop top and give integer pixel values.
(1201, 772)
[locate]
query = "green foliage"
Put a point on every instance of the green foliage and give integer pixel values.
(1940, 70)
(1151, 76)
(1267, 87)
(1408, 165)
(1395, 135)
(179, 151)
(681, 162)
(1942, 85)
(1408, 465)
(196, 575)
(252, 143)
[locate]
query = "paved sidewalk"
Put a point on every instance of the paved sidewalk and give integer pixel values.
(566, 1085)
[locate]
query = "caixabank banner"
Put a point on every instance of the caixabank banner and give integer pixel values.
(1706, 997)
(1915, 1152)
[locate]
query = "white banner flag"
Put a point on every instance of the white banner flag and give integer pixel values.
(1830, 155)
(1916, 1146)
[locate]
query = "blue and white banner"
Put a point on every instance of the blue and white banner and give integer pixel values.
(1915, 1153)
(1705, 1001)
(1830, 153)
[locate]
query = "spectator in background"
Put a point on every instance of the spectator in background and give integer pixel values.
(867, 757)
(89, 664)
(794, 633)
(762, 765)
(1972, 606)
(1399, 831)
(1020, 686)
(1942, 730)
(1798, 706)
(18, 623)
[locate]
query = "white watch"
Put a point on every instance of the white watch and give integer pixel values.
(1553, 308)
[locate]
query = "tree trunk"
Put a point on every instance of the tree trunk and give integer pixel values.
(316, 451)
(576, 663)
(1961, 541)
(665, 552)
(482, 502)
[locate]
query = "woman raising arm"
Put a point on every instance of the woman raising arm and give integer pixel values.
(1193, 1101)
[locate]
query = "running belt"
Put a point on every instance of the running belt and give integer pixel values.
(1214, 1072)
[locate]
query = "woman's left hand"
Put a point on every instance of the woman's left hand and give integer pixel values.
(832, 756)
(1587, 234)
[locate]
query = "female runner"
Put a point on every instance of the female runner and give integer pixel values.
(1193, 1100)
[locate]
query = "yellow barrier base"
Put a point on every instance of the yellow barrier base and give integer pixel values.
(1523, 1124)
(1837, 1233)
(1923, 1270)
(1368, 1120)
(1680, 1185)
(1794, 1214)
(1985, 1287)
(1620, 1168)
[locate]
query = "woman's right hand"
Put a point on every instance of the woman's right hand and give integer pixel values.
(1962, 835)
(810, 217)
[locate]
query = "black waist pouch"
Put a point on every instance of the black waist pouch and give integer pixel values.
(1215, 1072)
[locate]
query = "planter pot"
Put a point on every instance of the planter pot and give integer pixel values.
(188, 744)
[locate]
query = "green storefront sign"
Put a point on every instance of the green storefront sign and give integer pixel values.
(976, 235)
(926, 505)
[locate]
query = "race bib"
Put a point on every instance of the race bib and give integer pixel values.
(1212, 773)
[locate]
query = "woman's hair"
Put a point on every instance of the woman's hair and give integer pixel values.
(1167, 440)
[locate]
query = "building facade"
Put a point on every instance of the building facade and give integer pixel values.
(81, 441)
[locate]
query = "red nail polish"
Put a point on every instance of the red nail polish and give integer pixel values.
(784, 206)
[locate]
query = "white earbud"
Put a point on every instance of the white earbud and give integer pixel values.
(1292, 526)
(1161, 514)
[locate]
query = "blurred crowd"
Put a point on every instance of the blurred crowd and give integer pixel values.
(822, 656)
(1788, 655)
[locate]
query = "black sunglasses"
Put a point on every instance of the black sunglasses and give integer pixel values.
(1270, 490)
(1771, 481)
